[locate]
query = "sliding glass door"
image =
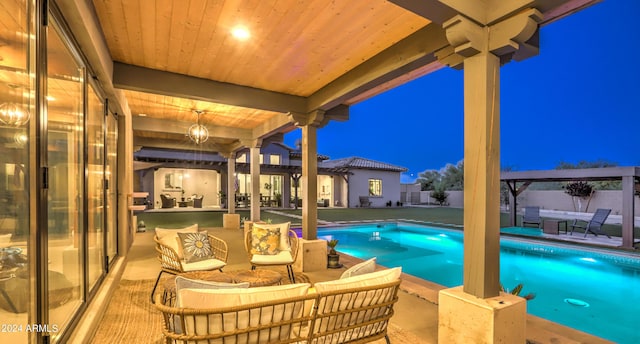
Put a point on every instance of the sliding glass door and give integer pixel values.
(66, 196)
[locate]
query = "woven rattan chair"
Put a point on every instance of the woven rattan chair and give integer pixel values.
(171, 263)
(284, 257)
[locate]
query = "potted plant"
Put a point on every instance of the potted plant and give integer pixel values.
(223, 199)
(333, 258)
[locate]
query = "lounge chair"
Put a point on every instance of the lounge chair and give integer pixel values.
(594, 225)
(531, 216)
(365, 202)
(168, 201)
(197, 201)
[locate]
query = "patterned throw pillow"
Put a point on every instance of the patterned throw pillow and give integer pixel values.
(196, 246)
(265, 241)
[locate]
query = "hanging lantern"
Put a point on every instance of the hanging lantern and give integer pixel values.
(13, 115)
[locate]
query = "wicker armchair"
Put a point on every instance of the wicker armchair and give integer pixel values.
(171, 262)
(284, 257)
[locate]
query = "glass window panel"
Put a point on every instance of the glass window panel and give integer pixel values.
(112, 197)
(375, 187)
(95, 187)
(17, 91)
(66, 181)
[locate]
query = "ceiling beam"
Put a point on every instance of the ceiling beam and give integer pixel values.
(434, 10)
(208, 147)
(279, 124)
(176, 127)
(409, 54)
(142, 79)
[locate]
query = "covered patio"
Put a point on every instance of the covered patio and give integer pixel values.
(166, 66)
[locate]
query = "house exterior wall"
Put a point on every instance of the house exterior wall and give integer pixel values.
(201, 182)
(274, 149)
(359, 186)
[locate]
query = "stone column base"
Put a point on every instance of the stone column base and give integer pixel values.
(464, 318)
(231, 221)
(312, 255)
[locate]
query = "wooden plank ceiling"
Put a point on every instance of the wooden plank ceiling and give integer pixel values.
(172, 57)
(295, 48)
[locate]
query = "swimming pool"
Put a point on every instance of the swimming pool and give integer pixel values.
(595, 291)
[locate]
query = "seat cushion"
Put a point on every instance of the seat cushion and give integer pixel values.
(195, 246)
(361, 268)
(169, 237)
(223, 298)
(364, 280)
(207, 264)
(187, 283)
(283, 257)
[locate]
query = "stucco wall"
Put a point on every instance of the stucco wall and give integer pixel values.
(201, 182)
(359, 186)
(551, 200)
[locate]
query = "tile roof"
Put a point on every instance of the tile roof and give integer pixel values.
(362, 163)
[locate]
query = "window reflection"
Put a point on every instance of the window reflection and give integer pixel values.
(66, 175)
(16, 109)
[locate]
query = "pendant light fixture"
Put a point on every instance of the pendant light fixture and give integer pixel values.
(198, 133)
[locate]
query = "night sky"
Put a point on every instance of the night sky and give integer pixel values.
(579, 99)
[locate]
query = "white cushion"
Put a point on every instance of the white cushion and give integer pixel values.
(208, 264)
(365, 280)
(169, 237)
(283, 257)
(187, 283)
(352, 301)
(221, 298)
(284, 233)
(361, 268)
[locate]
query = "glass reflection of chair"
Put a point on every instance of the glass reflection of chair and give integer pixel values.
(197, 201)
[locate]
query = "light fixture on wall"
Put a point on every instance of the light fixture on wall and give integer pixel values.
(198, 133)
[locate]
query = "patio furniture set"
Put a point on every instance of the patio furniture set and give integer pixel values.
(553, 226)
(201, 303)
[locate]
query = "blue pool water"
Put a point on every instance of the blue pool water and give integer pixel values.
(594, 291)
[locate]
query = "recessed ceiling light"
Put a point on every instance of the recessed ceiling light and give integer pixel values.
(142, 114)
(241, 33)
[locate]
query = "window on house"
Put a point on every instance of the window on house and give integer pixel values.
(261, 159)
(242, 158)
(375, 187)
(274, 159)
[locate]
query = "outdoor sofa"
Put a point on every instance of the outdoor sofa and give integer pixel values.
(353, 309)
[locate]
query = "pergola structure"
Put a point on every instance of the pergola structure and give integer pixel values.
(305, 64)
(628, 175)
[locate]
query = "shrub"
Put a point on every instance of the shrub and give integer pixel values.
(440, 196)
(579, 189)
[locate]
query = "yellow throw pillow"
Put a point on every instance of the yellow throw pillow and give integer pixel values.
(284, 232)
(265, 241)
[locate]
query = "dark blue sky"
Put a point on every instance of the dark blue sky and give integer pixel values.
(579, 99)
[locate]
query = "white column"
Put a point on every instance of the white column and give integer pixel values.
(254, 156)
(231, 183)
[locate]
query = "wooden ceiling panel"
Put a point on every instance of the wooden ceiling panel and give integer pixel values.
(181, 109)
(296, 47)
